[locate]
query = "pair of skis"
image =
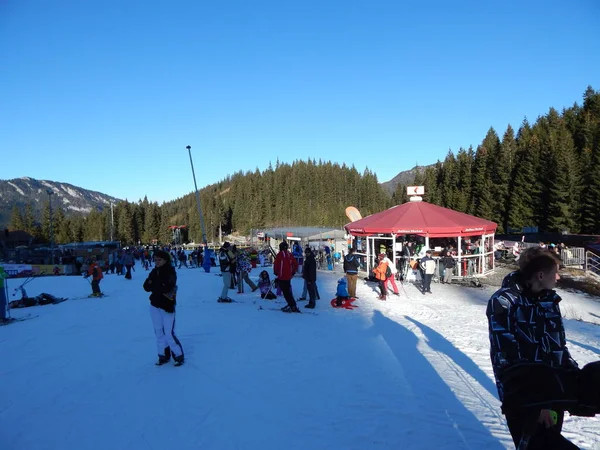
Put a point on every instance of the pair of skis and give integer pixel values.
(260, 308)
(17, 319)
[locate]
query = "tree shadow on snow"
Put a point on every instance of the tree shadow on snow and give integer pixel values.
(440, 419)
(439, 343)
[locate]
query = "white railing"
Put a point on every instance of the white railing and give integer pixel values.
(570, 256)
(592, 263)
(573, 256)
(474, 264)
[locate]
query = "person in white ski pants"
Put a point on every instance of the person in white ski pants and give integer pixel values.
(162, 283)
(164, 329)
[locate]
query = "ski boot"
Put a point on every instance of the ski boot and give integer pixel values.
(178, 360)
(224, 300)
(163, 359)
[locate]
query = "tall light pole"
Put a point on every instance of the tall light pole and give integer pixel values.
(204, 241)
(49, 192)
(112, 221)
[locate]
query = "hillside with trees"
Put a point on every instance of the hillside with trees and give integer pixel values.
(545, 174)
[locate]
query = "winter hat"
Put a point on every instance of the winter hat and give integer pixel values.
(342, 281)
(283, 246)
(226, 245)
(162, 255)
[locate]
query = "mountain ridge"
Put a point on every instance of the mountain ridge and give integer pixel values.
(77, 200)
(73, 200)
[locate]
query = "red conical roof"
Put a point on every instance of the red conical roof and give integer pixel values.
(423, 219)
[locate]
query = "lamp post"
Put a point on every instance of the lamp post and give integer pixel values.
(49, 192)
(112, 221)
(204, 241)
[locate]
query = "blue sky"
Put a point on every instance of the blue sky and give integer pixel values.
(107, 94)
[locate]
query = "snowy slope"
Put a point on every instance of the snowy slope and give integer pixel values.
(411, 373)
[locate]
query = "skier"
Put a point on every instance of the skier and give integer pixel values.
(3, 300)
(95, 271)
(285, 267)
(264, 284)
(536, 376)
(391, 275)
(381, 273)
(243, 268)
(310, 277)
(162, 283)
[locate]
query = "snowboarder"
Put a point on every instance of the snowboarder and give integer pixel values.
(162, 283)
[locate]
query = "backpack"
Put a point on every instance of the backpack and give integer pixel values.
(388, 271)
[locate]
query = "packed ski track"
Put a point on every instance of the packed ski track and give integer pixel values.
(412, 372)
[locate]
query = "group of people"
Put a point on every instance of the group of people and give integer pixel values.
(235, 268)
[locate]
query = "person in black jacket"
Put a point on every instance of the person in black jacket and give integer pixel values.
(162, 283)
(351, 265)
(448, 263)
(536, 377)
(309, 273)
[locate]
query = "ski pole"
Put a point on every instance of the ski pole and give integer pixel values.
(8, 316)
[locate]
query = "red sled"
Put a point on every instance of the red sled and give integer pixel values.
(346, 303)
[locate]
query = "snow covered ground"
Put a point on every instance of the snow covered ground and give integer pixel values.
(410, 373)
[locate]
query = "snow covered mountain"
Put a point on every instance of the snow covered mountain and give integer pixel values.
(72, 199)
(406, 177)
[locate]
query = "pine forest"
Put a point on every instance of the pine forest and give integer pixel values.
(544, 174)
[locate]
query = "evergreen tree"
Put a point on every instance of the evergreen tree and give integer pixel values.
(29, 221)
(16, 219)
(497, 166)
(506, 160)
(481, 193)
(520, 204)
(449, 182)
(399, 196)
(464, 161)
(47, 231)
(62, 227)
(126, 226)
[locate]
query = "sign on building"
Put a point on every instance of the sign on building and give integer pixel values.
(415, 190)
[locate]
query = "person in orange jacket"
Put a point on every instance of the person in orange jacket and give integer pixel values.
(95, 271)
(381, 275)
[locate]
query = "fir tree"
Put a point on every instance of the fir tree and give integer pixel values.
(16, 219)
(481, 191)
